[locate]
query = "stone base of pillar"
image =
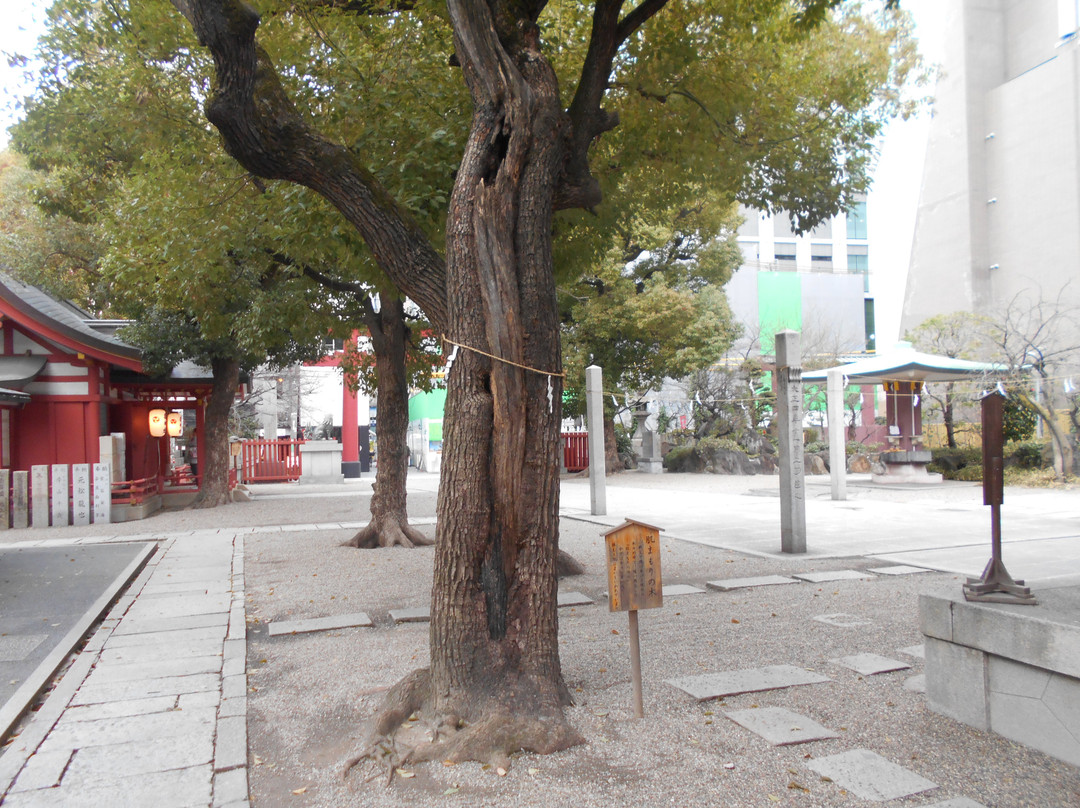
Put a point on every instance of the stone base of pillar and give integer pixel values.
(350, 468)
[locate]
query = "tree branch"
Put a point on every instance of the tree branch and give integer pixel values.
(265, 133)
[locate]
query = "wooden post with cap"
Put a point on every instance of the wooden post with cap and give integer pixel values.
(634, 582)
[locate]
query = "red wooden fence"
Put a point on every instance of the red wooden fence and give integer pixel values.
(270, 461)
(575, 450)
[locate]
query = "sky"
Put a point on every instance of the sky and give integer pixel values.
(890, 208)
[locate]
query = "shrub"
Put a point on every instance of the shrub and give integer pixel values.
(676, 459)
(816, 446)
(708, 445)
(968, 474)
(853, 447)
(1018, 422)
(1025, 455)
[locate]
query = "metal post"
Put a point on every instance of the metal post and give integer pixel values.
(594, 408)
(995, 585)
(789, 417)
(837, 435)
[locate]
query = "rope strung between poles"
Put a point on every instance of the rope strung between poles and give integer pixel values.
(499, 358)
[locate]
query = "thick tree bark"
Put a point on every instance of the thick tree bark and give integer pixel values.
(215, 462)
(389, 525)
(495, 685)
(494, 631)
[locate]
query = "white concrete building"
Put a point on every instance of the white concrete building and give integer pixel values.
(999, 209)
(817, 283)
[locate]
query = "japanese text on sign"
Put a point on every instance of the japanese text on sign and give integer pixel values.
(633, 556)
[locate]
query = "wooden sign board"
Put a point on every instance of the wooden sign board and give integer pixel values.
(633, 560)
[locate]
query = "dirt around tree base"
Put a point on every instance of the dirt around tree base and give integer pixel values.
(388, 532)
(407, 730)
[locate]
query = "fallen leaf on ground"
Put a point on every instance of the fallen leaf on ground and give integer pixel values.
(451, 790)
(794, 786)
(404, 775)
(500, 771)
(299, 791)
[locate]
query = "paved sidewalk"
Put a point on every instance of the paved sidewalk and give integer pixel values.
(153, 711)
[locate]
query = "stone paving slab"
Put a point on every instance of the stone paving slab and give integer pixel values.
(154, 625)
(780, 727)
(417, 614)
(898, 569)
(120, 709)
(916, 683)
(43, 770)
(171, 686)
(841, 620)
(870, 776)
(134, 654)
(833, 575)
(178, 788)
(675, 590)
(746, 583)
(180, 605)
(98, 765)
(750, 680)
(917, 651)
(955, 802)
(167, 638)
(870, 664)
(355, 620)
(107, 731)
(574, 599)
(155, 669)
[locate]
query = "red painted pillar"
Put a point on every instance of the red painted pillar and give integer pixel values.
(916, 411)
(350, 435)
(200, 439)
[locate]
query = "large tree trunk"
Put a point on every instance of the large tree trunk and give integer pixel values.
(495, 684)
(947, 417)
(389, 525)
(215, 460)
(1059, 441)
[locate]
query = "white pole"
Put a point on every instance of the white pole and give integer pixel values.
(837, 435)
(594, 409)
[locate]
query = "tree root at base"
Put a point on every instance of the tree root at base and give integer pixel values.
(388, 532)
(405, 731)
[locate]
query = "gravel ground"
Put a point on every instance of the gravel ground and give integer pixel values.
(310, 694)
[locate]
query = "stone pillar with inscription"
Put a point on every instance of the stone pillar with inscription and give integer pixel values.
(789, 430)
(20, 499)
(61, 490)
(80, 494)
(5, 499)
(39, 496)
(594, 409)
(102, 494)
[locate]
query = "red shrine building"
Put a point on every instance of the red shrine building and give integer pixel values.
(66, 381)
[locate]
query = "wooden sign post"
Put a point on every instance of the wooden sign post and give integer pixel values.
(633, 561)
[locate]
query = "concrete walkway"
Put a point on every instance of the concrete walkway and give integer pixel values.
(153, 710)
